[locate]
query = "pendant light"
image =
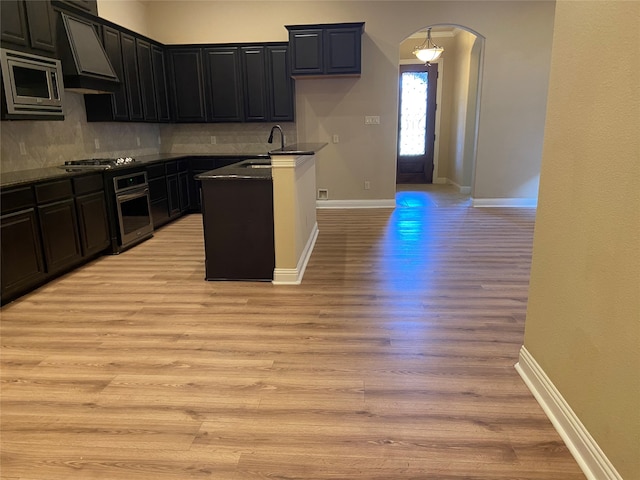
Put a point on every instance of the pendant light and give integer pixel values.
(428, 51)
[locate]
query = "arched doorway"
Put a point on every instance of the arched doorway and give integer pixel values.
(455, 119)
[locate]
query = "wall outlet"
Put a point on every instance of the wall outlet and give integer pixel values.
(323, 194)
(96, 143)
(23, 148)
(336, 138)
(138, 140)
(214, 140)
(367, 185)
(372, 120)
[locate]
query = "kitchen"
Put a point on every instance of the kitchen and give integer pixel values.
(324, 107)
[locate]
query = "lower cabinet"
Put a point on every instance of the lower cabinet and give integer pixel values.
(60, 235)
(49, 228)
(157, 180)
(22, 264)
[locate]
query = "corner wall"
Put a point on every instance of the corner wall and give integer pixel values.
(583, 316)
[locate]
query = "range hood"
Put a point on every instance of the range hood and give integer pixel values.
(85, 66)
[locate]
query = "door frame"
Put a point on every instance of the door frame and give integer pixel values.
(436, 144)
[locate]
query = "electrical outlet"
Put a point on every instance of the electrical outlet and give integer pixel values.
(214, 140)
(367, 185)
(23, 148)
(336, 139)
(372, 120)
(97, 143)
(323, 194)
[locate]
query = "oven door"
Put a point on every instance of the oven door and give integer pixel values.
(134, 215)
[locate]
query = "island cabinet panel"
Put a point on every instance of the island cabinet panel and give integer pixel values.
(132, 77)
(224, 82)
(28, 26)
(280, 85)
(326, 49)
(160, 83)
(147, 86)
(186, 79)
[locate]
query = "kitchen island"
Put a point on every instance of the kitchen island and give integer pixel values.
(280, 192)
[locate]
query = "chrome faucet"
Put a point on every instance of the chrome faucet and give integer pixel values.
(281, 136)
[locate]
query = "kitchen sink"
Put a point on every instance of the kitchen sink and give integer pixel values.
(256, 164)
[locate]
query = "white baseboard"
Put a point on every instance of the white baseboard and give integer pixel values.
(505, 202)
(293, 276)
(591, 459)
(388, 203)
(461, 189)
(441, 180)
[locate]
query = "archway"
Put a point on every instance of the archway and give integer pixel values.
(458, 90)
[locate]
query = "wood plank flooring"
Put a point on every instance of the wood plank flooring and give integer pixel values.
(393, 360)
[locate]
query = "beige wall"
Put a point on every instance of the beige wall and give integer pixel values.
(583, 317)
(513, 96)
(131, 14)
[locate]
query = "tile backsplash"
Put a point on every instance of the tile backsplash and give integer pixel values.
(30, 144)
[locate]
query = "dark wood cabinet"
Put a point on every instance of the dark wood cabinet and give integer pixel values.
(28, 26)
(60, 235)
(91, 208)
(160, 83)
(157, 180)
(254, 79)
(22, 264)
(85, 6)
(187, 84)
(327, 49)
(224, 82)
(147, 86)
(131, 77)
(280, 85)
(110, 107)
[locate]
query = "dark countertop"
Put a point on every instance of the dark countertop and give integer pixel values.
(240, 170)
(299, 149)
(12, 179)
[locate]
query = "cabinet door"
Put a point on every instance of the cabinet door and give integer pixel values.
(94, 226)
(183, 191)
(111, 42)
(280, 85)
(224, 84)
(14, 22)
(254, 78)
(160, 83)
(306, 51)
(21, 255)
(89, 6)
(186, 80)
(147, 86)
(40, 18)
(342, 50)
(131, 76)
(173, 194)
(60, 236)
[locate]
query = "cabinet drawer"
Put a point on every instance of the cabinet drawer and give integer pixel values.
(171, 167)
(17, 199)
(52, 191)
(88, 184)
(155, 171)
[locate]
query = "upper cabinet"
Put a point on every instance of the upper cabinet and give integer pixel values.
(326, 49)
(231, 83)
(28, 26)
(84, 6)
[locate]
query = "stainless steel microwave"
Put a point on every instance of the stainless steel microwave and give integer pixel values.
(33, 85)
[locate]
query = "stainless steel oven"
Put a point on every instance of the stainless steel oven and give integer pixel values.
(133, 208)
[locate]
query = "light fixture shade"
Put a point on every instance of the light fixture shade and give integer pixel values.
(428, 51)
(428, 54)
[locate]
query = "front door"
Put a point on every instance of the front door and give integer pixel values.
(416, 123)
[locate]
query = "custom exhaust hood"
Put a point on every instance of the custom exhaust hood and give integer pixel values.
(85, 66)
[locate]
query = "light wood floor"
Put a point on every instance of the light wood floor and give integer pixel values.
(393, 360)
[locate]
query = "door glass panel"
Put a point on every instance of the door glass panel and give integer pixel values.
(413, 113)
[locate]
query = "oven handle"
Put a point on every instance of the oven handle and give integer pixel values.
(123, 197)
